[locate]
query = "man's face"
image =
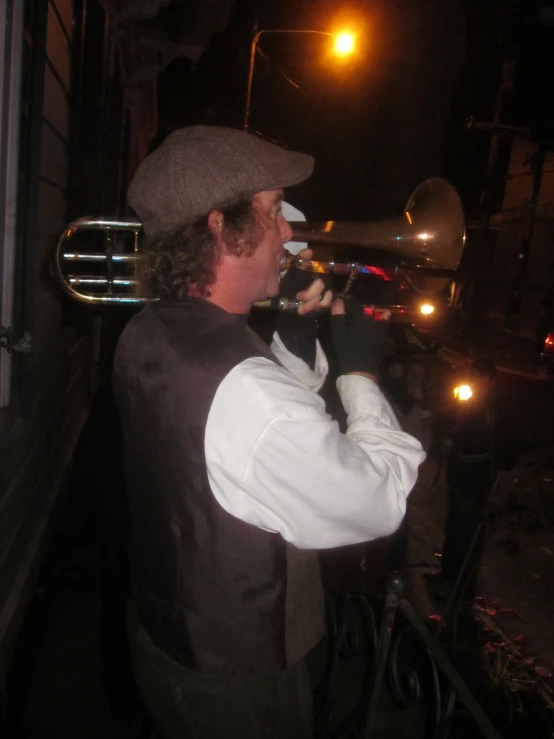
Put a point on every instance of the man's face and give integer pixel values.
(264, 265)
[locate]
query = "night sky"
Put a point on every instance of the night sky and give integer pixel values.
(387, 119)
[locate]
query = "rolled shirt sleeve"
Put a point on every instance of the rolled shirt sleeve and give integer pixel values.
(278, 461)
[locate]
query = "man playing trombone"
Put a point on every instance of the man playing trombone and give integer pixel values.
(236, 475)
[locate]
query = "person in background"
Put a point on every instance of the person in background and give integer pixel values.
(235, 473)
(391, 370)
(410, 403)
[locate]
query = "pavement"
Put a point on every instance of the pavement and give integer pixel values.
(71, 676)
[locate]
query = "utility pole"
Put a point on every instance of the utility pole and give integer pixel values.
(537, 164)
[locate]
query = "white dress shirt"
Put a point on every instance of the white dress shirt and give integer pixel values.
(278, 461)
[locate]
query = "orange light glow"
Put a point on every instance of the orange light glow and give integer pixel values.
(463, 392)
(319, 268)
(344, 44)
(427, 309)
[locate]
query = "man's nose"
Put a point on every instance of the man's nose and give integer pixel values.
(285, 229)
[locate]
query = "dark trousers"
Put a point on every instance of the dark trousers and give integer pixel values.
(466, 505)
(182, 703)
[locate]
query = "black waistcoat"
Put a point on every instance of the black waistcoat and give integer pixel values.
(218, 595)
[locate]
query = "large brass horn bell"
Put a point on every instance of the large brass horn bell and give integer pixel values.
(425, 242)
(423, 245)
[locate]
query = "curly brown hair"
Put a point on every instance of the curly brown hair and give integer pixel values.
(170, 263)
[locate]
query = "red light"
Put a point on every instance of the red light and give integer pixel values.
(549, 340)
(377, 272)
(375, 313)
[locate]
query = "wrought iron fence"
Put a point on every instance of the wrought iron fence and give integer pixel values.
(401, 653)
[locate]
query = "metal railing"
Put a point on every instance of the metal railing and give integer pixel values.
(405, 656)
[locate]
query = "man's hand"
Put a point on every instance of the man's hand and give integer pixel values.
(312, 293)
(359, 340)
(298, 330)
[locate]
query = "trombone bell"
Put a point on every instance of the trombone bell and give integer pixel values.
(426, 240)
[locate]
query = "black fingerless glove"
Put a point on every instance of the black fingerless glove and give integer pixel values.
(359, 340)
(298, 333)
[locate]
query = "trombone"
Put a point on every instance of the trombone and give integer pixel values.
(423, 245)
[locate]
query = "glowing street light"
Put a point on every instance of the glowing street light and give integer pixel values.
(463, 392)
(344, 46)
(427, 309)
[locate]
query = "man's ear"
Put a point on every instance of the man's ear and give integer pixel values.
(215, 224)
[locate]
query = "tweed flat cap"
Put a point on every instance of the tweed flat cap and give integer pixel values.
(200, 168)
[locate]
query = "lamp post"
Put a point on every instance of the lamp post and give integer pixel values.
(344, 45)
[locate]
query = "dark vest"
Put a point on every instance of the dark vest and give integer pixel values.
(218, 595)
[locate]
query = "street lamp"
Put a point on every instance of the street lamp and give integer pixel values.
(344, 45)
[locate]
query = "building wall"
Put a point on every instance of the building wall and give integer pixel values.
(49, 394)
(73, 160)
